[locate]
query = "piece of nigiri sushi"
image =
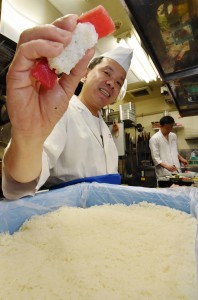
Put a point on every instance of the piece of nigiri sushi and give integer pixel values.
(84, 37)
(91, 26)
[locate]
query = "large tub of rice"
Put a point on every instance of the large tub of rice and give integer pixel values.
(100, 241)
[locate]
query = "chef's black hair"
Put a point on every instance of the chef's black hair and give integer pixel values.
(166, 120)
(95, 61)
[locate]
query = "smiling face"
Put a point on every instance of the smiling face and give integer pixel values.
(102, 85)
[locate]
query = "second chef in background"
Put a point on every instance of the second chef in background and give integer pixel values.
(164, 150)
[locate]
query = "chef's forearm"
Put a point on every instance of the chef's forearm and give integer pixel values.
(168, 167)
(163, 165)
(23, 160)
(182, 159)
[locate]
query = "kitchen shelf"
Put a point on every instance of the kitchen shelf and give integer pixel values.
(174, 127)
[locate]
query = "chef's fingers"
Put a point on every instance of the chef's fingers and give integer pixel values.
(174, 169)
(185, 162)
(59, 31)
(67, 22)
(70, 82)
(171, 168)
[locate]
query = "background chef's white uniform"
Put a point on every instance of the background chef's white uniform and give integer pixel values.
(73, 150)
(163, 150)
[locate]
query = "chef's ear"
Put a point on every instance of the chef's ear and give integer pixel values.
(85, 76)
(123, 91)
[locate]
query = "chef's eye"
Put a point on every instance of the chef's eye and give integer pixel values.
(119, 83)
(107, 73)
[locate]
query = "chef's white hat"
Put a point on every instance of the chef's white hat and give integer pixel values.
(121, 55)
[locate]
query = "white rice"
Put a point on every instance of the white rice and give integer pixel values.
(84, 37)
(109, 252)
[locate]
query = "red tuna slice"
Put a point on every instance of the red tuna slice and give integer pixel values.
(44, 74)
(101, 20)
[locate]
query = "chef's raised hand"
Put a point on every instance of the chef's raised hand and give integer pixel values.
(33, 110)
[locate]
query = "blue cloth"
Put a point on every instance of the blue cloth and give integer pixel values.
(109, 178)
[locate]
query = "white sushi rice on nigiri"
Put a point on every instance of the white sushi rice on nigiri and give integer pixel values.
(84, 37)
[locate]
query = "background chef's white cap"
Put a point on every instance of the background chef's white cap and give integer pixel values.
(121, 55)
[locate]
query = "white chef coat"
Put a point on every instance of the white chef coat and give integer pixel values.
(74, 149)
(163, 150)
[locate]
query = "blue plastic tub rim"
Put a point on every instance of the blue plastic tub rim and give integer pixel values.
(14, 213)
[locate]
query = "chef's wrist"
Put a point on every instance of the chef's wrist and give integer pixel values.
(163, 165)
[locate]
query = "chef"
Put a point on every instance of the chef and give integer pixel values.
(164, 151)
(58, 137)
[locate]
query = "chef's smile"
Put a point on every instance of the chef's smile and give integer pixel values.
(104, 92)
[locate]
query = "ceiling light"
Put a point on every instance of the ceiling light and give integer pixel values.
(141, 65)
(13, 22)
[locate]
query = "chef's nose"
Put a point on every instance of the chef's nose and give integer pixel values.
(110, 83)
